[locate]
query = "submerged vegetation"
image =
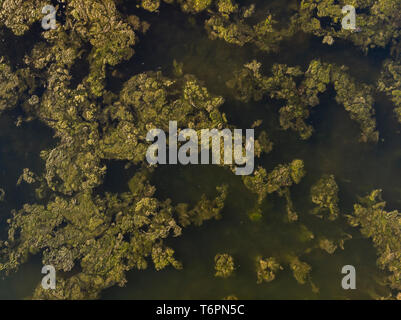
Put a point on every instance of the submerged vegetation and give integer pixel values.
(94, 235)
(384, 228)
(249, 84)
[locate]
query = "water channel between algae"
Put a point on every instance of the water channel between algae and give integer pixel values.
(334, 148)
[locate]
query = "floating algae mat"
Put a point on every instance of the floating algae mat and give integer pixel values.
(200, 149)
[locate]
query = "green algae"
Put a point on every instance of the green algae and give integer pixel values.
(73, 224)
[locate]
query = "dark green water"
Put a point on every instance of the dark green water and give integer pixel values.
(334, 148)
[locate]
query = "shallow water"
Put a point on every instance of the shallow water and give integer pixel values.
(333, 148)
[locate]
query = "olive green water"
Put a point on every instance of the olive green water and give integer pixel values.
(334, 148)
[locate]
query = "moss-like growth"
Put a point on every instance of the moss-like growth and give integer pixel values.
(384, 228)
(230, 22)
(390, 83)
(377, 22)
(19, 15)
(224, 265)
(327, 245)
(101, 234)
(279, 180)
(150, 5)
(93, 236)
(300, 270)
(325, 194)
(262, 144)
(301, 94)
(266, 269)
(205, 209)
(9, 83)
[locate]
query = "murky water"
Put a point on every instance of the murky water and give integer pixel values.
(334, 148)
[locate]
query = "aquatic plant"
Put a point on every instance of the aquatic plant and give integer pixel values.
(266, 269)
(95, 236)
(300, 270)
(224, 265)
(390, 83)
(100, 235)
(279, 180)
(325, 194)
(9, 83)
(384, 228)
(231, 23)
(327, 245)
(377, 21)
(302, 94)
